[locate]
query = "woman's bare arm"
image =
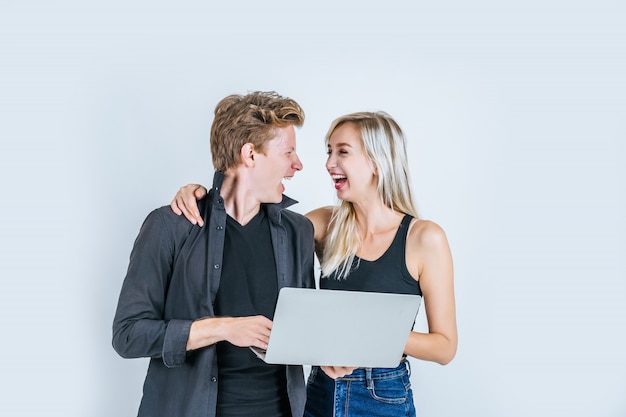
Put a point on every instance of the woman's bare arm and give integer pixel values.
(429, 259)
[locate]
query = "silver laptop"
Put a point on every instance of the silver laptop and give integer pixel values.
(340, 328)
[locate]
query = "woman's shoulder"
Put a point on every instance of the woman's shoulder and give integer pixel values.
(426, 234)
(426, 244)
(320, 217)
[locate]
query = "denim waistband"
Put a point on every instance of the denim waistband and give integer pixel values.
(361, 374)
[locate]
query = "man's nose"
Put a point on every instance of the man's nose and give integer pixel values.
(297, 164)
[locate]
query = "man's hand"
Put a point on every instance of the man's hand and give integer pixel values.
(335, 372)
(239, 331)
(185, 202)
(248, 331)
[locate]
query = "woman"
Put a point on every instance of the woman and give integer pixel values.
(373, 241)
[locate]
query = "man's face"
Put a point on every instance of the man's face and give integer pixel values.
(280, 161)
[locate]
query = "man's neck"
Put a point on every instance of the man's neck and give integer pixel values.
(239, 200)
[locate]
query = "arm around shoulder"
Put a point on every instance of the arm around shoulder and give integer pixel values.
(320, 218)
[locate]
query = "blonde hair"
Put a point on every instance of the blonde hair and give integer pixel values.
(253, 119)
(385, 147)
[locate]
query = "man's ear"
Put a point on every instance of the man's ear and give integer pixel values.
(247, 155)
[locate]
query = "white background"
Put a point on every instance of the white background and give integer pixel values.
(515, 116)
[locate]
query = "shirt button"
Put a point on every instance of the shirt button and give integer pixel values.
(219, 227)
(213, 379)
(220, 201)
(216, 266)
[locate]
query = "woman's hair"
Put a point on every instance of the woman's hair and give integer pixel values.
(250, 118)
(385, 147)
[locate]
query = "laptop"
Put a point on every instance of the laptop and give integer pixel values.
(340, 328)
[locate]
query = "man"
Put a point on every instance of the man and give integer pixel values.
(196, 298)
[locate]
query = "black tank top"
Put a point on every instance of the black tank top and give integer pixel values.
(386, 274)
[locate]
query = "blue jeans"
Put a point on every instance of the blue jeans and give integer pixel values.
(365, 392)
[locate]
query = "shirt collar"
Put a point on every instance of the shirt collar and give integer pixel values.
(273, 209)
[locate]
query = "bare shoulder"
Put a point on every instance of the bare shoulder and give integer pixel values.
(427, 252)
(320, 218)
(426, 234)
(325, 211)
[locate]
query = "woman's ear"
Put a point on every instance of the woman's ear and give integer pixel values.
(374, 168)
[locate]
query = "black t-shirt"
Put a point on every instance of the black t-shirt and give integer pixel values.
(247, 385)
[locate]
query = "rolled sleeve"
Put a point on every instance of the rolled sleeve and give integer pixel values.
(175, 343)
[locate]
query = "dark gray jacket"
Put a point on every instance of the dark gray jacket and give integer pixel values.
(173, 276)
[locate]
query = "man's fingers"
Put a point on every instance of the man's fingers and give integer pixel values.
(261, 343)
(250, 331)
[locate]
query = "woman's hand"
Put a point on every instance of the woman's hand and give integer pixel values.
(335, 372)
(185, 202)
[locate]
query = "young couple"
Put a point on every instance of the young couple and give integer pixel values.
(195, 298)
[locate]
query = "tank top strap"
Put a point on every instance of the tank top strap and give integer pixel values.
(404, 229)
(406, 220)
(399, 241)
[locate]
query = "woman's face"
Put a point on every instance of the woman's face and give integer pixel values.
(348, 165)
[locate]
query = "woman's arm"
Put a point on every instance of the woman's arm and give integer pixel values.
(428, 258)
(320, 218)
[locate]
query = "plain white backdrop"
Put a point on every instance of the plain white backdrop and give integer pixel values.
(515, 115)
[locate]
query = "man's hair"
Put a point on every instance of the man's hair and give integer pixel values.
(251, 118)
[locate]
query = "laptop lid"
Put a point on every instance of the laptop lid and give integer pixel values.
(340, 328)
